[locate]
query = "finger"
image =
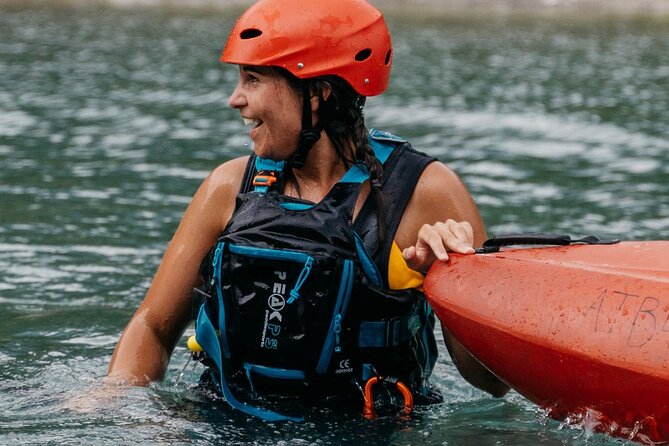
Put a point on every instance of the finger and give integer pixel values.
(411, 259)
(454, 236)
(409, 253)
(421, 256)
(470, 232)
(463, 230)
(464, 234)
(431, 242)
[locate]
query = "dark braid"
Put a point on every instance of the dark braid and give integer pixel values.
(343, 120)
(341, 117)
(365, 153)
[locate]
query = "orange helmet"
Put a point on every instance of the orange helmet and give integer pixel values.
(310, 38)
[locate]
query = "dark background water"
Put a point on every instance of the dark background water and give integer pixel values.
(110, 118)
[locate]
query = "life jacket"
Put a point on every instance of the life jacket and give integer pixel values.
(295, 296)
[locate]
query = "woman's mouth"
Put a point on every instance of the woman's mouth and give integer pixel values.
(252, 122)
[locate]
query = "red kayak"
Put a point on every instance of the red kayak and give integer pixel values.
(580, 329)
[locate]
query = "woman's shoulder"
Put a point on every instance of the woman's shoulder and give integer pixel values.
(441, 194)
(440, 180)
(214, 200)
(229, 173)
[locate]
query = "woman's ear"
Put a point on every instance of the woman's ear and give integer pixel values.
(316, 98)
(327, 91)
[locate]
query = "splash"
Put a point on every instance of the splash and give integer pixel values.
(590, 421)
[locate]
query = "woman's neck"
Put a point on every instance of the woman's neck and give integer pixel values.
(321, 171)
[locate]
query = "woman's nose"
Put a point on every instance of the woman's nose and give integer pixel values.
(237, 99)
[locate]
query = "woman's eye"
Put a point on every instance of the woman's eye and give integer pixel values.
(249, 77)
(251, 80)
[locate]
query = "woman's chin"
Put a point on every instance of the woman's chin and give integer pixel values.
(269, 154)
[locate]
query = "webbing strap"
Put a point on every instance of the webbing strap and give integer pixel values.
(390, 333)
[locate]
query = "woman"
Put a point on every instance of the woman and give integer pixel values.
(305, 68)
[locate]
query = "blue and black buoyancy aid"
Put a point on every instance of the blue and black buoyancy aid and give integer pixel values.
(295, 301)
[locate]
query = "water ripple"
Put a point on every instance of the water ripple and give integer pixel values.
(109, 120)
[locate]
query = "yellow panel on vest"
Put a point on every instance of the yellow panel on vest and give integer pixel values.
(400, 276)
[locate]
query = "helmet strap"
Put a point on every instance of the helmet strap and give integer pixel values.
(308, 135)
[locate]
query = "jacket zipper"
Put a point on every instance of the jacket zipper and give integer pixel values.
(332, 340)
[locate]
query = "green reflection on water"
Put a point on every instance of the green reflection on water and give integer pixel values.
(110, 118)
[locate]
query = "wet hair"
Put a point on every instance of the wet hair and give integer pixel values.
(341, 117)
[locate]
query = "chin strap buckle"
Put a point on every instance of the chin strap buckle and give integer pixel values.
(369, 397)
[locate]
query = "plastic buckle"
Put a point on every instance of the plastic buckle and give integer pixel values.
(264, 180)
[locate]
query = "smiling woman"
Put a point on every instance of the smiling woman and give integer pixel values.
(314, 247)
(261, 91)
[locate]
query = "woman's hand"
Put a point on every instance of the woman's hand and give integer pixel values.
(434, 242)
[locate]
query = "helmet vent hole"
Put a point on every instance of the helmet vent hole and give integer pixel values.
(250, 33)
(363, 54)
(388, 54)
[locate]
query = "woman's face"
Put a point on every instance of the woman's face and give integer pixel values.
(271, 108)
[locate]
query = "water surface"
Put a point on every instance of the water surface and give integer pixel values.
(110, 119)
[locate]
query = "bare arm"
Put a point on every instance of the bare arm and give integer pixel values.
(143, 352)
(442, 217)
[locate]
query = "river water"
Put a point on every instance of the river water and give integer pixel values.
(110, 118)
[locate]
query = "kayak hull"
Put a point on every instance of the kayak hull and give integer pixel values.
(578, 329)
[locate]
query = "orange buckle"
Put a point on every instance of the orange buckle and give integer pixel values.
(369, 397)
(264, 180)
